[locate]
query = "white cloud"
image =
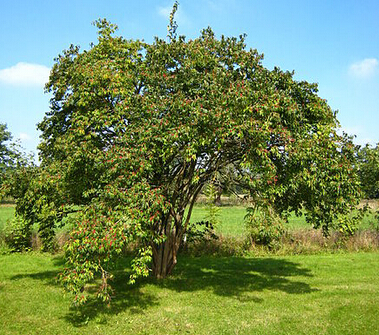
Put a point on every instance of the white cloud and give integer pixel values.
(180, 16)
(25, 74)
(364, 69)
(24, 137)
(165, 12)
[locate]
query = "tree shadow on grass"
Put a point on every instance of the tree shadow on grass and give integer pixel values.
(47, 277)
(238, 277)
(127, 297)
(235, 276)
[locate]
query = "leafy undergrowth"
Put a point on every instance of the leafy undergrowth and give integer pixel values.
(305, 242)
(314, 294)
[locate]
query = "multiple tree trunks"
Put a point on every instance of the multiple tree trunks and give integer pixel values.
(164, 258)
(164, 254)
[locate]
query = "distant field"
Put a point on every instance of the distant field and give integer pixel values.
(231, 219)
(313, 294)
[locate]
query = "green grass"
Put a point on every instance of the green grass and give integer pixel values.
(231, 219)
(314, 294)
(303, 294)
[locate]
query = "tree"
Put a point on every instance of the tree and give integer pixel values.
(368, 170)
(11, 155)
(7, 154)
(136, 130)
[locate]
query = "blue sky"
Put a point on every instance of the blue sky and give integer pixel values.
(334, 43)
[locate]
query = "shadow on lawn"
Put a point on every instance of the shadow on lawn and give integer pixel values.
(232, 277)
(127, 297)
(47, 277)
(235, 277)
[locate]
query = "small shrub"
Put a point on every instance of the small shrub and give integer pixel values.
(213, 211)
(202, 230)
(221, 246)
(265, 227)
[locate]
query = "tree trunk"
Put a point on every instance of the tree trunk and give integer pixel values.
(164, 255)
(217, 200)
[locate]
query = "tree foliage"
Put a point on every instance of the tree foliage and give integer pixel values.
(136, 130)
(368, 170)
(6, 154)
(11, 154)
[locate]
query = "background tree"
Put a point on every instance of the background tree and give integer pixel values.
(368, 170)
(6, 154)
(10, 153)
(15, 174)
(35, 190)
(136, 130)
(12, 156)
(226, 181)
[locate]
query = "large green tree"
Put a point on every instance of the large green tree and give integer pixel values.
(368, 170)
(136, 130)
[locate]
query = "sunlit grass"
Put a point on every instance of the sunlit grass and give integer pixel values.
(316, 294)
(231, 219)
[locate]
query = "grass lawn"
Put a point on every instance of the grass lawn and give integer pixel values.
(231, 219)
(314, 294)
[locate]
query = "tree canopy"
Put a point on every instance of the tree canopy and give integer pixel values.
(368, 170)
(6, 153)
(136, 130)
(11, 155)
